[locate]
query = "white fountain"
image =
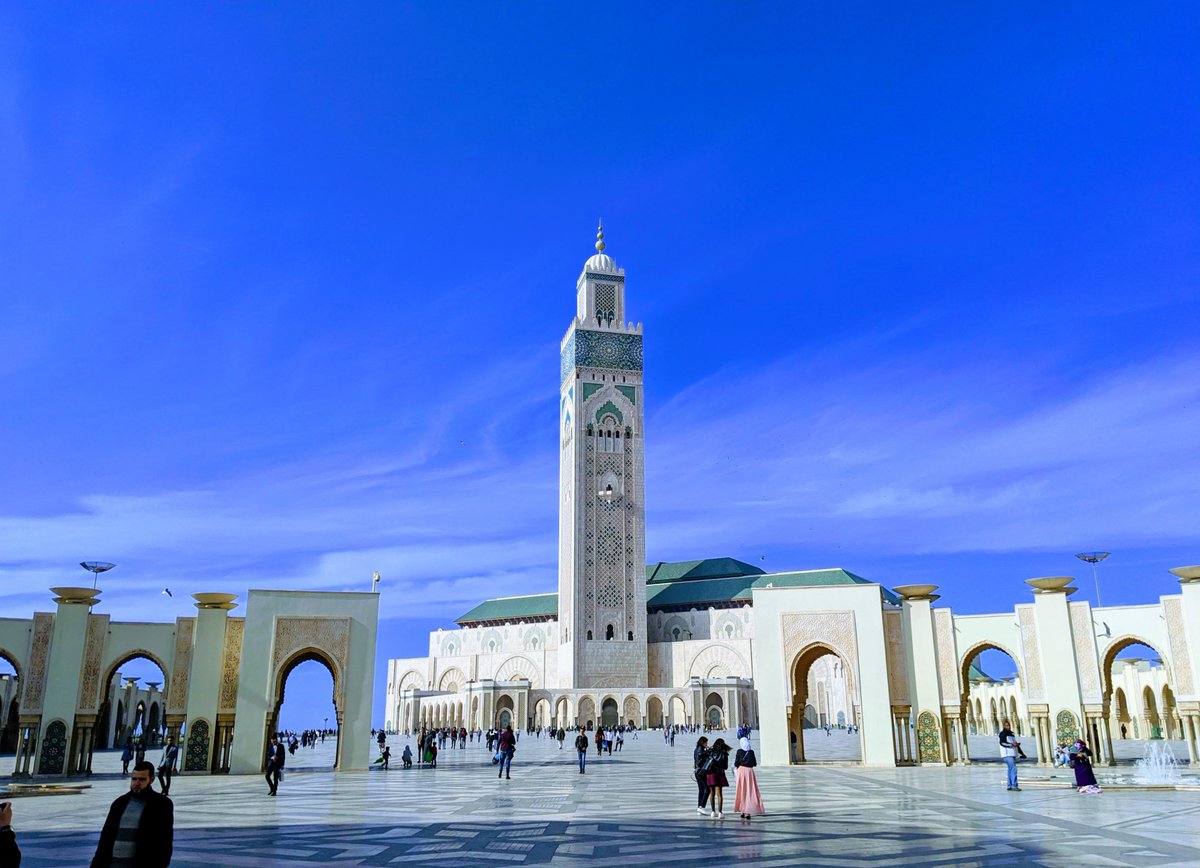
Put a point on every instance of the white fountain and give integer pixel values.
(1157, 767)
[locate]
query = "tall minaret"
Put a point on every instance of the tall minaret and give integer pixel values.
(602, 514)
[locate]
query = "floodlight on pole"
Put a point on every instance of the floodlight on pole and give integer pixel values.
(96, 568)
(1094, 558)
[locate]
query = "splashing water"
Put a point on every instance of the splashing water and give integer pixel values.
(1157, 767)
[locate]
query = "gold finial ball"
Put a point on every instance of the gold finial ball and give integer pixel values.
(600, 237)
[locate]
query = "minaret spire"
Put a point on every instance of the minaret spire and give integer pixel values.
(600, 237)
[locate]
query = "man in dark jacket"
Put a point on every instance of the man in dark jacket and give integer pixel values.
(140, 827)
(275, 758)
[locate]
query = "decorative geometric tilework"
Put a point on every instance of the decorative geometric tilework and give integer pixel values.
(1068, 727)
(54, 749)
(591, 275)
(928, 743)
(196, 758)
(629, 392)
(609, 407)
(606, 300)
(588, 349)
(590, 389)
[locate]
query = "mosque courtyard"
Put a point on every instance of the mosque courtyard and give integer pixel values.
(637, 806)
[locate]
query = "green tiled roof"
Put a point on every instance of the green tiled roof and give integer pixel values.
(710, 568)
(683, 583)
(737, 588)
(512, 608)
(974, 673)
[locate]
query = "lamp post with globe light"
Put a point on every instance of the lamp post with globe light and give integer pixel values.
(1094, 558)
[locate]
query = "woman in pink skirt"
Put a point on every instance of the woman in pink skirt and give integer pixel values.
(747, 798)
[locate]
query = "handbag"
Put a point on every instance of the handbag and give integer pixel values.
(499, 756)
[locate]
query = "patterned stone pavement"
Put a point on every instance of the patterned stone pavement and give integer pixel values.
(637, 806)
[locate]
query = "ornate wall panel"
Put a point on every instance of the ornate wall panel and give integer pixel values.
(1181, 662)
(1085, 653)
(328, 635)
(929, 747)
(195, 759)
(718, 661)
(54, 749)
(231, 661)
(897, 664)
(181, 669)
(93, 650)
(835, 629)
(1035, 688)
(516, 666)
(39, 652)
(1067, 728)
(943, 623)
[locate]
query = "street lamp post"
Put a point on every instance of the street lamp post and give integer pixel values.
(1094, 558)
(96, 568)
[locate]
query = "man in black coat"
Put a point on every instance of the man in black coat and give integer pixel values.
(275, 760)
(140, 827)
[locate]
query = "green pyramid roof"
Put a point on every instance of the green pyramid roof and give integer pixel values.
(677, 585)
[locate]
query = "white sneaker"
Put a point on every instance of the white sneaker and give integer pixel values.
(704, 812)
(718, 816)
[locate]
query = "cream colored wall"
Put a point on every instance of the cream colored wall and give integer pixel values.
(672, 664)
(774, 669)
(126, 636)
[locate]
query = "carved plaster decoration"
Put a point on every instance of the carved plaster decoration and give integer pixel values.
(231, 662)
(1085, 653)
(1177, 631)
(943, 622)
(330, 636)
(39, 652)
(893, 632)
(93, 650)
(834, 629)
(453, 680)
(181, 670)
(1035, 688)
(718, 661)
(518, 666)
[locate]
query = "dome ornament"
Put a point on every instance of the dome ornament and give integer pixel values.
(600, 236)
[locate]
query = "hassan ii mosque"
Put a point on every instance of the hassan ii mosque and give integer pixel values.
(713, 640)
(720, 641)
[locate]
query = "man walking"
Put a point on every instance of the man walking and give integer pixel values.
(167, 763)
(1008, 752)
(581, 748)
(275, 759)
(140, 826)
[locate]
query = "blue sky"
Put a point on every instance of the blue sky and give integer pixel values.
(281, 289)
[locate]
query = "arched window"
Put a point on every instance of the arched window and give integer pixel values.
(675, 633)
(492, 645)
(608, 633)
(589, 634)
(630, 635)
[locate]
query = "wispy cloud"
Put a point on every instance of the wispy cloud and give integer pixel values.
(916, 459)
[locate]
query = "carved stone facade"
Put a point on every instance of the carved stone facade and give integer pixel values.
(231, 659)
(330, 636)
(43, 629)
(89, 679)
(177, 697)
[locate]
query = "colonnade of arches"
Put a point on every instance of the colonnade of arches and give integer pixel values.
(568, 711)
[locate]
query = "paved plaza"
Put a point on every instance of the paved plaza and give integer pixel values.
(635, 806)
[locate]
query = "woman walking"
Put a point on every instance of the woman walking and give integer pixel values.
(747, 800)
(699, 760)
(718, 762)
